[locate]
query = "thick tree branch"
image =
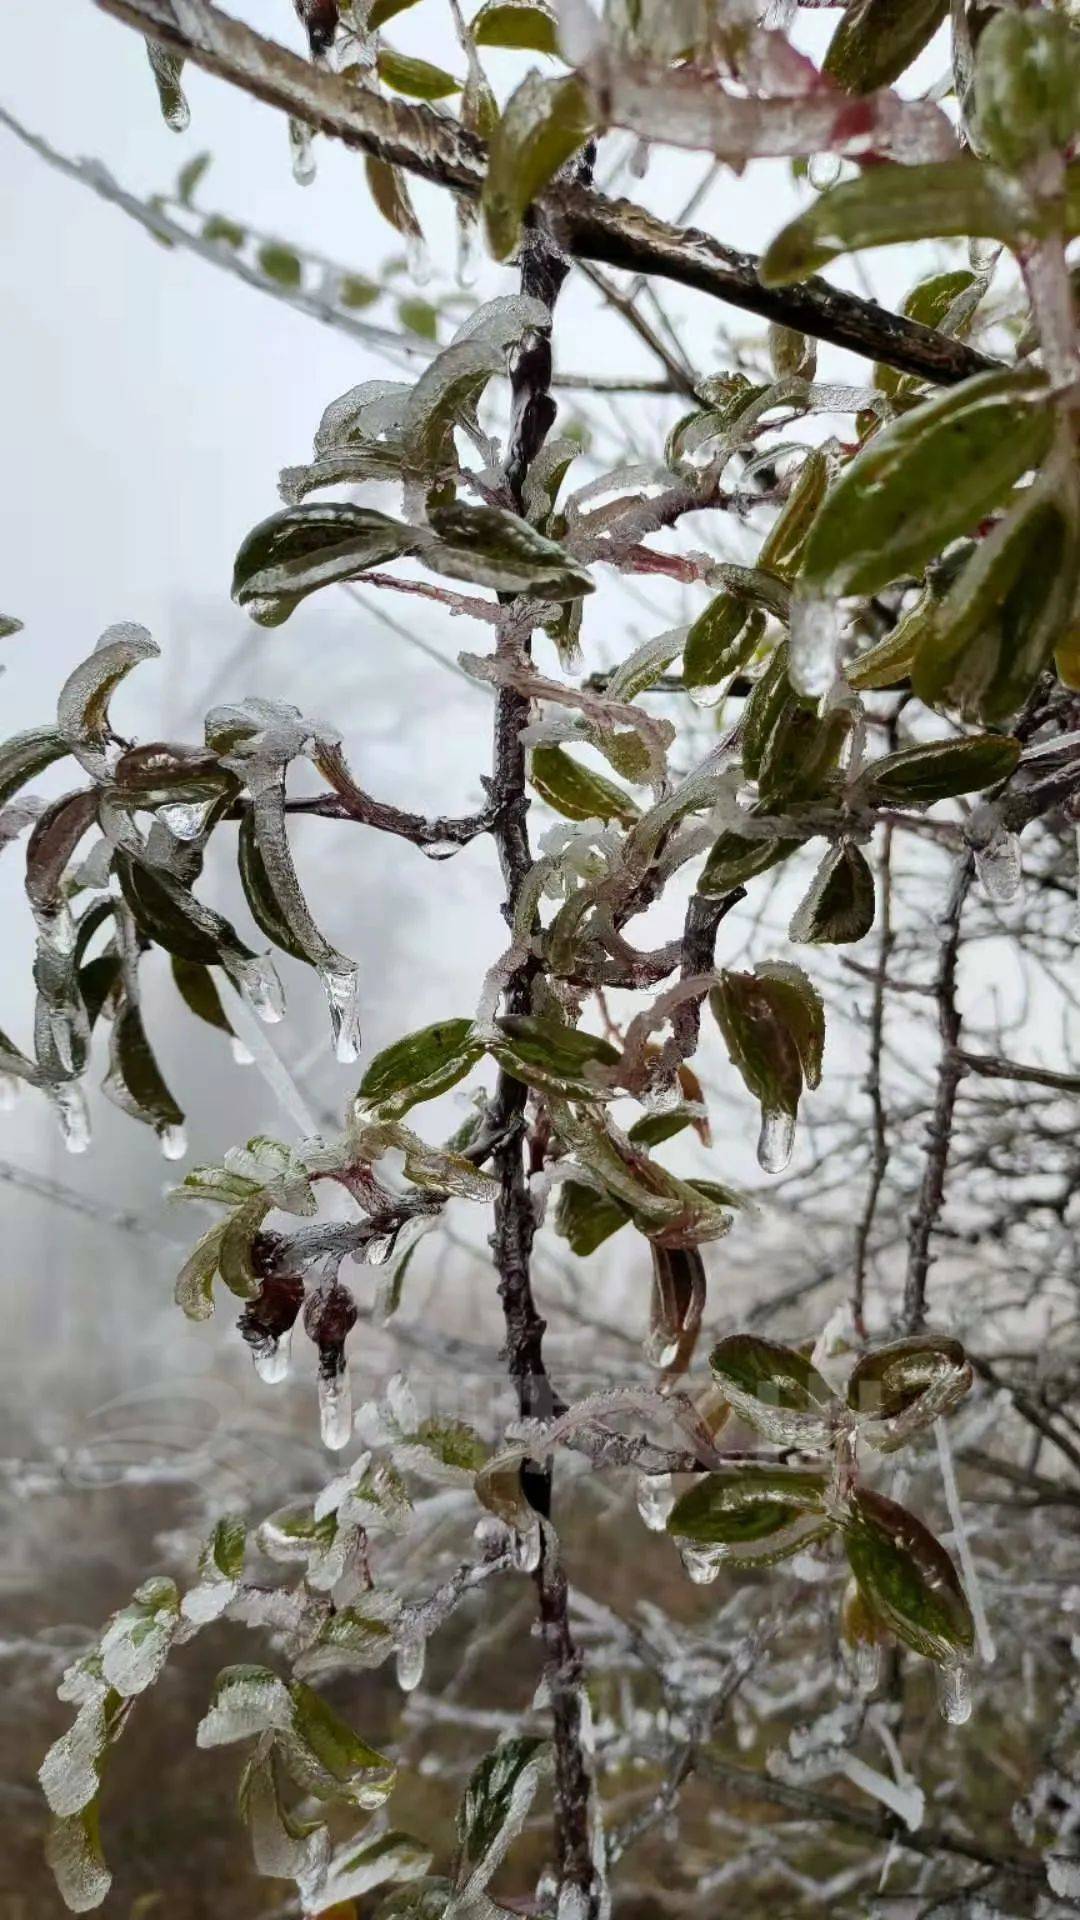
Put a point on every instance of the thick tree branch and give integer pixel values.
(587, 224)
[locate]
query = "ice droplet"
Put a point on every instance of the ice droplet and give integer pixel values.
(342, 990)
(999, 868)
(258, 981)
(186, 820)
(467, 245)
(660, 1347)
(73, 1115)
(865, 1659)
(824, 171)
(655, 1499)
(167, 68)
(776, 1139)
(304, 166)
(815, 632)
(440, 849)
(242, 1055)
(638, 165)
(9, 1092)
(335, 1408)
(527, 1548)
(410, 1664)
(418, 258)
(701, 1563)
(1063, 1873)
(273, 1361)
(173, 1142)
(954, 1694)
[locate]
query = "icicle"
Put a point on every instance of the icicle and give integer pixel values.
(273, 1361)
(166, 67)
(776, 1139)
(468, 229)
(410, 1664)
(303, 152)
(417, 258)
(257, 980)
(342, 991)
(242, 1055)
(527, 1548)
(983, 1637)
(701, 1563)
(655, 1499)
(638, 163)
(865, 1661)
(954, 1694)
(999, 868)
(815, 633)
(173, 1142)
(9, 1092)
(335, 1407)
(70, 1103)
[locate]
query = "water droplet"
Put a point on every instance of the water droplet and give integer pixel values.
(410, 1664)
(865, 1657)
(273, 1359)
(173, 1142)
(815, 632)
(335, 1409)
(242, 1055)
(440, 849)
(527, 1548)
(73, 1114)
(9, 1092)
(377, 1251)
(701, 1563)
(999, 867)
(186, 820)
(954, 1694)
(342, 991)
(660, 1347)
(655, 1499)
(167, 67)
(824, 171)
(304, 167)
(258, 981)
(776, 1139)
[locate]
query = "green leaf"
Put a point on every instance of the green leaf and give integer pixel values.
(928, 302)
(26, 755)
(9, 626)
(676, 1305)
(325, 1757)
(734, 859)
(575, 792)
(587, 1218)
(937, 770)
(419, 1067)
(429, 1899)
(900, 1389)
(134, 1081)
(381, 11)
(774, 1388)
(556, 1059)
(189, 177)
(82, 710)
(223, 232)
(281, 265)
(294, 553)
(877, 39)
(246, 1701)
(926, 479)
(235, 1262)
(418, 78)
(419, 317)
(888, 205)
(1027, 86)
(782, 549)
(525, 24)
(493, 548)
(198, 990)
(839, 908)
(773, 1022)
(224, 1553)
(354, 293)
(907, 1579)
(390, 193)
(194, 1290)
(890, 661)
(75, 1859)
(654, 1128)
(261, 897)
(755, 1515)
(360, 1865)
(543, 123)
(136, 1642)
(168, 914)
(496, 1802)
(721, 640)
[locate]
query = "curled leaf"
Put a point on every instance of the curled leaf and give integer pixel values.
(543, 123)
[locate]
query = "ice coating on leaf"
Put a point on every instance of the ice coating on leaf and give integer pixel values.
(82, 710)
(246, 1700)
(135, 1644)
(999, 867)
(73, 1852)
(496, 1803)
(341, 985)
(358, 1866)
(283, 1846)
(257, 980)
(70, 1771)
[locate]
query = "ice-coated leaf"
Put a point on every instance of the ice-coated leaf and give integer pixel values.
(73, 1852)
(751, 1516)
(380, 11)
(360, 1865)
(1027, 86)
(676, 1306)
(198, 990)
(284, 1846)
(557, 1059)
(26, 755)
(190, 176)
(57, 832)
(721, 640)
(493, 548)
(447, 1452)
(839, 907)
(194, 1291)
(889, 205)
(275, 1170)
(496, 1803)
(417, 78)
(929, 477)
(775, 1389)
(734, 859)
(360, 1637)
(390, 193)
(774, 1024)
(136, 1642)
(889, 662)
(430, 1899)
(930, 302)
(135, 1082)
(900, 1389)
(877, 39)
(82, 710)
(907, 1578)
(575, 792)
(419, 1067)
(1010, 606)
(167, 67)
(445, 397)
(224, 1552)
(246, 1700)
(9, 626)
(294, 553)
(326, 1758)
(215, 1184)
(262, 901)
(938, 770)
(800, 751)
(586, 1217)
(439, 1171)
(529, 25)
(543, 123)
(169, 914)
(782, 549)
(235, 1260)
(71, 1770)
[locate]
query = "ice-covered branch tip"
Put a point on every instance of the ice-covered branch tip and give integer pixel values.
(588, 224)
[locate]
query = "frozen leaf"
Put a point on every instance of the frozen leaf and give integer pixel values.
(430, 1899)
(752, 1516)
(575, 792)
(493, 548)
(217, 1185)
(889, 205)
(360, 1636)
(931, 302)
(839, 907)
(381, 11)
(236, 1262)
(782, 549)
(168, 913)
(246, 1701)
(721, 640)
(82, 710)
(26, 755)
(274, 1170)
(528, 25)
(52, 844)
(556, 1059)
(73, 1852)
(283, 1845)
(775, 1389)
(1027, 86)
(71, 1770)
(496, 1803)
(198, 990)
(907, 1578)
(447, 1452)
(774, 1024)
(190, 176)
(676, 1306)
(734, 859)
(417, 78)
(877, 39)
(926, 479)
(135, 1644)
(446, 397)
(326, 1758)
(543, 123)
(296, 552)
(900, 1389)
(586, 1217)
(134, 1081)
(937, 770)
(391, 196)
(360, 1865)
(9, 626)
(889, 662)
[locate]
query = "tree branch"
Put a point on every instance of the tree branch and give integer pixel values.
(586, 224)
(950, 1071)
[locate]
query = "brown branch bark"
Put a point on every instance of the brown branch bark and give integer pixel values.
(587, 224)
(931, 1198)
